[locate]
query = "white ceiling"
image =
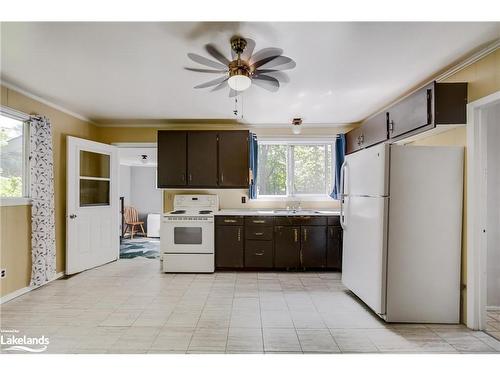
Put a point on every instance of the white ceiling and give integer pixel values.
(117, 71)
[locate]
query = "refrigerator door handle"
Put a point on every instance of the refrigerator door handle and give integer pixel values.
(342, 194)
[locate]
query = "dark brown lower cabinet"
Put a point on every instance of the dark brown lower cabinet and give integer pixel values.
(286, 247)
(308, 242)
(313, 239)
(258, 254)
(334, 251)
(229, 246)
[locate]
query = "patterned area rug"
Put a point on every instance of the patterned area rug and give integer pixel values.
(140, 247)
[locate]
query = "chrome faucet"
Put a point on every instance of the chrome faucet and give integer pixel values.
(294, 206)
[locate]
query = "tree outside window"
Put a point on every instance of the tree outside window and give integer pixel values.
(11, 157)
(294, 169)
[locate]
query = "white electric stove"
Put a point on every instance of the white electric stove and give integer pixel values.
(187, 234)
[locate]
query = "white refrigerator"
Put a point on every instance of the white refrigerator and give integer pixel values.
(401, 213)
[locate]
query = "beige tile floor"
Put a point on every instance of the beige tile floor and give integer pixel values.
(129, 306)
(493, 323)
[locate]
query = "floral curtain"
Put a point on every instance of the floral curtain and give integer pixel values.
(43, 244)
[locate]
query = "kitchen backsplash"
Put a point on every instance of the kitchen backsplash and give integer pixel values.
(231, 198)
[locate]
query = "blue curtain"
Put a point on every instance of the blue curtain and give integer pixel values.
(252, 191)
(339, 159)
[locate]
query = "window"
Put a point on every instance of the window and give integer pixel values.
(13, 156)
(294, 169)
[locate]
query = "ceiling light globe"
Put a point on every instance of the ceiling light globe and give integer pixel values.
(239, 82)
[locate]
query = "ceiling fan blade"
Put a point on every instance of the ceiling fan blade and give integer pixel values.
(264, 54)
(205, 70)
(282, 77)
(247, 53)
(216, 54)
(207, 62)
(266, 82)
(211, 83)
(264, 61)
(221, 85)
(280, 63)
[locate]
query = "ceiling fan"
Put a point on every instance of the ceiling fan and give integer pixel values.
(263, 68)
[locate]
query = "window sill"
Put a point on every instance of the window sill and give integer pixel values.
(325, 198)
(7, 202)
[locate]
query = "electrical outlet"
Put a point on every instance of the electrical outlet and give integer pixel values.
(3, 273)
(243, 199)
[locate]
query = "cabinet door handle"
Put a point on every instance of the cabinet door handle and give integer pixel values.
(222, 177)
(296, 235)
(391, 126)
(239, 234)
(183, 177)
(229, 221)
(258, 221)
(259, 254)
(190, 177)
(305, 235)
(259, 233)
(301, 257)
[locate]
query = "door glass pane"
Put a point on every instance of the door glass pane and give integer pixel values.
(187, 236)
(93, 164)
(94, 193)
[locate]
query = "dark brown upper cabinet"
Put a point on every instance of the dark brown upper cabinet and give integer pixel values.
(435, 104)
(172, 146)
(202, 158)
(411, 113)
(353, 140)
(233, 159)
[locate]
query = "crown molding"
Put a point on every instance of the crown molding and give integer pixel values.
(39, 99)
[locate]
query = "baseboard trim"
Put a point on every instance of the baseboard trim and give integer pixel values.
(20, 292)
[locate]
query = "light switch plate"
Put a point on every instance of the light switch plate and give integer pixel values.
(3, 273)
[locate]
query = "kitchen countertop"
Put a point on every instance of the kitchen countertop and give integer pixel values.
(276, 212)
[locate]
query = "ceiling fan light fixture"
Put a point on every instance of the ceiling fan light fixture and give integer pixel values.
(239, 80)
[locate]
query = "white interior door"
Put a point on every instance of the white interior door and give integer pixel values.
(92, 225)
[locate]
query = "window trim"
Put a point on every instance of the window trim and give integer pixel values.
(24, 118)
(291, 141)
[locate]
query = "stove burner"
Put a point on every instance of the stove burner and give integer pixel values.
(177, 212)
(205, 212)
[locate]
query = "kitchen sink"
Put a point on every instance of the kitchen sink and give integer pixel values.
(296, 212)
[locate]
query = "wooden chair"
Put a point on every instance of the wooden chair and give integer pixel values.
(132, 221)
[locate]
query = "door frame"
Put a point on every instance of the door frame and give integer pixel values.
(476, 210)
(73, 189)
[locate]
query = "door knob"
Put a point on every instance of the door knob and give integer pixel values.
(72, 216)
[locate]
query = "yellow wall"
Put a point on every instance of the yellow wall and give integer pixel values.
(484, 79)
(12, 247)
(15, 245)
